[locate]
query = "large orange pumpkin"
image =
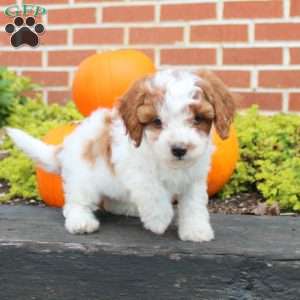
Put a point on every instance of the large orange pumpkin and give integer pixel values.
(49, 184)
(223, 161)
(223, 164)
(103, 77)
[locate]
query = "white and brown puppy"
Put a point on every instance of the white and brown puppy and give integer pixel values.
(154, 146)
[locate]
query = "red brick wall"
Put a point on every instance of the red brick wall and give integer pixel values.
(253, 45)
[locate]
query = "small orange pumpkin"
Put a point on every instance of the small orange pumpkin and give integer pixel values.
(49, 184)
(224, 160)
(223, 163)
(103, 77)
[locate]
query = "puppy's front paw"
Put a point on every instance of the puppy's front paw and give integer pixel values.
(156, 226)
(197, 233)
(81, 223)
(158, 222)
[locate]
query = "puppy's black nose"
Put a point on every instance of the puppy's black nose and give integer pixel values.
(178, 152)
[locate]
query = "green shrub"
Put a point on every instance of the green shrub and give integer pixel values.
(35, 118)
(12, 89)
(269, 158)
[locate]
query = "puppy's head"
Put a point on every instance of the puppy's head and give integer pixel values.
(172, 112)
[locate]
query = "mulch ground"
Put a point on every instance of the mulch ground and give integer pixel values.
(243, 204)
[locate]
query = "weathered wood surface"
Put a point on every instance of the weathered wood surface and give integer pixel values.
(251, 258)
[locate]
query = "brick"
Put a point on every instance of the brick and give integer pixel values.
(54, 37)
(72, 16)
(252, 56)
(20, 58)
(4, 39)
(7, 2)
(33, 94)
(253, 9)
(266, 101)
(68, 57)
(186, 12)
(158, 35)
(238, 79)
(139, 13)
(295, 8)
(295, 55)
(43, 2)
(5, 19)
(98, 36)
(219, 33)
(60, 97)
(48, 78)
(280, 79)
(148, 52)
(277, 32)
(97, 1)
(188, 56)
(294, 102)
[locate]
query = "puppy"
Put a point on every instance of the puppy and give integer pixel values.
(154, 146)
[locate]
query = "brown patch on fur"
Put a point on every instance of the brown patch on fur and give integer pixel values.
(137, 108)
(105, 144)
(89, 152)
(205, 111)
(190, 146)
(222, 100)
(146, 113)
(107, 120)
(100, 145)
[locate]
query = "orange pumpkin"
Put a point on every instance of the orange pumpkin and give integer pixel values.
(103, 77)
(49, 184)
(223, 161)
(223, 164)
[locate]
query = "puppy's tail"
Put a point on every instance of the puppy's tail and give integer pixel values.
(42, 153)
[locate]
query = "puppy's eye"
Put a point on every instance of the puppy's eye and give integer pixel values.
(157, 123)
(198, 119)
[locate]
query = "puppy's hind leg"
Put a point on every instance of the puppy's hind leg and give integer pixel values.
(79, 210)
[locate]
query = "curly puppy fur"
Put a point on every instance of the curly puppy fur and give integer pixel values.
(154, 146)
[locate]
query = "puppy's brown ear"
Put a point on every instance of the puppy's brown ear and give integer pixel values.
(222, 100)
(128, 107)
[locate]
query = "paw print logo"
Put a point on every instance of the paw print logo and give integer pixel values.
(24, 33)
